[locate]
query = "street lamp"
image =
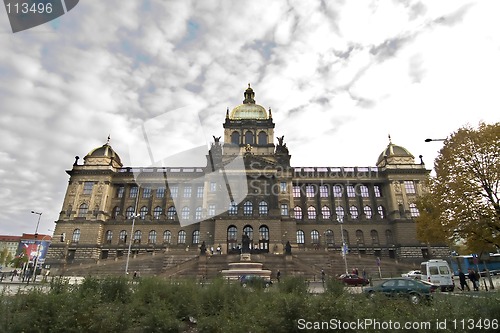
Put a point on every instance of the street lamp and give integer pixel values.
(130, 241)
(38, 223)
(344, 245)
(429, 140)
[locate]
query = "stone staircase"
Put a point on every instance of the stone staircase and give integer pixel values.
(191, 265)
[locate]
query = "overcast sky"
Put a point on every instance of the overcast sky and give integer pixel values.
(339, 76)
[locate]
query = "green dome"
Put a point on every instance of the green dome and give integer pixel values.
(248, 110)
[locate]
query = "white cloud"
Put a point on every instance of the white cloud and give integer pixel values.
(339, 77)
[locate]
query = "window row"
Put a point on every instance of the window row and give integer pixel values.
(153, 237)
(249, 138)
(175, 192)
(339, 211)
(314, 237)
(338, 191)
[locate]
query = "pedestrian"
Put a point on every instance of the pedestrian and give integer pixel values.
(472, 278)
(463, 281)
(135, 275)
(278, 276)
(323, 276)
(364, 274)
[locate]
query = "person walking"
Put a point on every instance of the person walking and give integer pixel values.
(278, 276)
(472, 278)
(463, 281)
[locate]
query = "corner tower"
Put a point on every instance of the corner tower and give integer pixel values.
(249, 127)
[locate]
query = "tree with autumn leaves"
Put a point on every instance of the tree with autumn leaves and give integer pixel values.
(462, 202)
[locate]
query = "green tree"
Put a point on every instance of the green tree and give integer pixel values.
(464, 195)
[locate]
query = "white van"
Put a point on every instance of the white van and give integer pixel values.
(438, 272)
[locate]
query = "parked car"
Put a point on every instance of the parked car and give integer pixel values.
(438, 272)
(414, 290)
(254, 280)
(413, 274)
(353, 280)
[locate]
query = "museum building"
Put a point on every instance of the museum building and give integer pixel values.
(247, 195)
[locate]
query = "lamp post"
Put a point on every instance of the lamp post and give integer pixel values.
(134, 216)
(38, 223)
(429, 140)
(344, 245)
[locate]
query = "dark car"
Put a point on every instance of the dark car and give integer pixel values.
(353, 280)
(255, 281)
(414, 290)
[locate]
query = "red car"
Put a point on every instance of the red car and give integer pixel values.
(353, 280)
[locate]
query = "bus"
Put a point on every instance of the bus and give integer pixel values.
(490, 261)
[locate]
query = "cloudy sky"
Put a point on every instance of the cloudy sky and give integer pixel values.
(339, 76)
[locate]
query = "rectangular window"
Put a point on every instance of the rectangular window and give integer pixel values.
(160, 192)
(377, 191)
(213, 186)
(363, 189)
(120, 191)
(310, 191)
(146, 192)
(199, 192)
(296, 191)
(174, 191)
(187, 192)
(87, 187)
(323, 191)
(351, 193)
(337, 191)
(284, 209)
(133, 191)
(211, 210)
(283, 186)
(409, 186)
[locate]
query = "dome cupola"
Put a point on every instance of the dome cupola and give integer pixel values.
(248, 110)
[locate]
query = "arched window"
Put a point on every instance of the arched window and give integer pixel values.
(249, 138)
(262, 138)
(233, 208)
(76, 236)
(247, 208)
(143, 212)
(311, 213)
(157, 212)
(196, 237)
(185, 213)
(122, 237)
(315, 237)
(414, 210)
(297, 213)
(264, 232)
(325, 212)
(374, 236)
(152, 237)
(354, 212)
(82, 211)
(300, 237)
(232, 233)
(388, 237)
(368, 212)
(329, 238)
(116, 212)
(197, 213)
(109, 236)
(360, 238)
(235, 138)
(181, 239)
(137, 236)
(263, 208)
(339, 210)
(381, 211)
(171, 213)
(129, 212)
(167, 237)
(346, 237)
(248, 230)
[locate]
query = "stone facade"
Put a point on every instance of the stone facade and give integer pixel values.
(247, 187)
